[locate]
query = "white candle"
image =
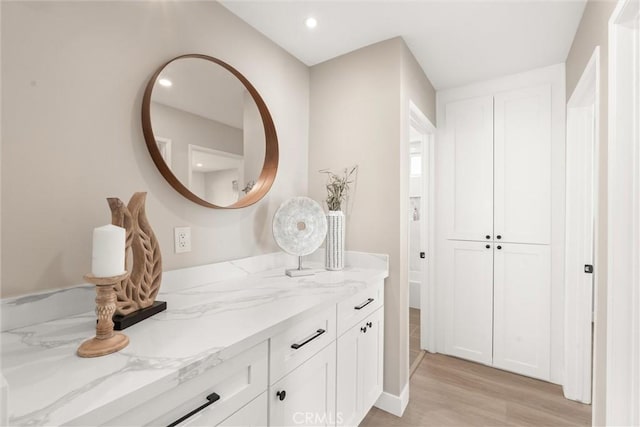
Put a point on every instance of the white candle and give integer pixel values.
(108, 251)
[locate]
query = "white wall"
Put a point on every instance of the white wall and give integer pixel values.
(184, 128)
(358, 116)
(73, 74)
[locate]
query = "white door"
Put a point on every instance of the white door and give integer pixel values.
(307, 395)
(360, 371)
(469, 144)
(522, 312)
(468, 281)
(523, 165)
(371, 358)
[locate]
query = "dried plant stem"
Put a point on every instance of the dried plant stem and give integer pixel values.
(338, 187)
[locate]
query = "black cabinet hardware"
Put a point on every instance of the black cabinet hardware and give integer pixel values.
(311, 338)
(499, 247)
(363, 329)
(488, 237)
(499, 237)
(364, 304)
(369, 324)
(588, 268)
(488, 246)
(211, 399)
(281, 395)
(423, 255)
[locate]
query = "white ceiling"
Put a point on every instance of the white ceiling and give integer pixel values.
(456, 42)
(203, 88)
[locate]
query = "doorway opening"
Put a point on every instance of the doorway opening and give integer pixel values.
(581, 248)
(421, 181)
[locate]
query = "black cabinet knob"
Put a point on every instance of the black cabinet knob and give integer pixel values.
(488, 246)
(369, 324)
(488, 237)
(281, 395)
(499, 237)
(499, 247)
(363, 329)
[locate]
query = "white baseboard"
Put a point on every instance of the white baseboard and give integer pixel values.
(394, 404)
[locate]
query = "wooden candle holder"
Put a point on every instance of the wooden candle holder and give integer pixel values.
(106, 340)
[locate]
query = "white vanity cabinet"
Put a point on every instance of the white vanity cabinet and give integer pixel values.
(258, 349)
(253, 414)
(206, 397)
(359, 374)
(359, 354)
(307, 395)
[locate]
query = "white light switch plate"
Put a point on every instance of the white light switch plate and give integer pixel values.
(182, 237)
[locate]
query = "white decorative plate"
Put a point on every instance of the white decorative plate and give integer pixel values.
(299, 226)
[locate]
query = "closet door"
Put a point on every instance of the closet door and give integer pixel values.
(523, 165)
(469, 287)
(469, 182)
(522, 304)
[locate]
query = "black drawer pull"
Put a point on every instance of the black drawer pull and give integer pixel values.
(363, 329)
(281, 395)
(364, 304)
(212, 398)
(369, 324)
(311, 338)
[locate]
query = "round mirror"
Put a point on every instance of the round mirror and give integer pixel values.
(209, 132)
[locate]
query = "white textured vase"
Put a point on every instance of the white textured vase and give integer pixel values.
(334, 253)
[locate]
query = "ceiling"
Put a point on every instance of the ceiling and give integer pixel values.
(203, 88)
(455, 41)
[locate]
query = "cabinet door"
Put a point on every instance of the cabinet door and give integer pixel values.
(468, 185)
(468, 283)
(360, 369)
(523, 165)
(522, 318)
(253, 414)
(309, 393)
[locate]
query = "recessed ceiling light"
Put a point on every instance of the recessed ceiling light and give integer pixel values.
(165, 82)
(199, 165)
(311, 22)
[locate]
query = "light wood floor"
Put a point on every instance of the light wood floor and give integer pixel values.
(414, 336)
(446, 391)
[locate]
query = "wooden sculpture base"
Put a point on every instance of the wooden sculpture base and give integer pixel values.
(96, 347)
(106, 341)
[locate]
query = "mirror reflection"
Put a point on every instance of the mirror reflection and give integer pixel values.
(208, 130)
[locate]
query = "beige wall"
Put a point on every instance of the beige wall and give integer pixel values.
(592, 32)
(73, 75)
(357, 117)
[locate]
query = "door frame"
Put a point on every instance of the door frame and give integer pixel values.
(623, 260)
(583, 116)
(427, 288)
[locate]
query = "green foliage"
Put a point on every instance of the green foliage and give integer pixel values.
(338, 187)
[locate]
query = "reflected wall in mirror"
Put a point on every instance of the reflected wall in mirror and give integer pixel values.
(209, 132)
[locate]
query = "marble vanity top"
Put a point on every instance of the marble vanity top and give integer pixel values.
(213, 312)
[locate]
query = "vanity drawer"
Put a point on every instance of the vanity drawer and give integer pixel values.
(354, 309)
(292, 347)
(230, 385)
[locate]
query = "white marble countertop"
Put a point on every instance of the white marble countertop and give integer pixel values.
(213, 312)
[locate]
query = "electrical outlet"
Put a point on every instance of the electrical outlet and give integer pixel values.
(182, 237)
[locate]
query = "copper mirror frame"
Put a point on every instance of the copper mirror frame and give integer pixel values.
(269, 168)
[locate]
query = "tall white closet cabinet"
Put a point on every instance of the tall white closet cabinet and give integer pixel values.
(500, 210)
